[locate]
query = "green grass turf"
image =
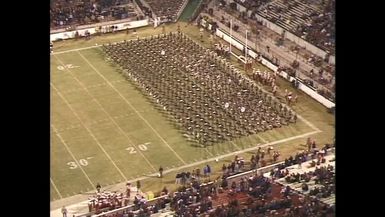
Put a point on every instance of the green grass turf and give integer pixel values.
(99, 115)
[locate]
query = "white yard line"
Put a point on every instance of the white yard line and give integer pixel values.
(235, 145)
(109, 116)
(308, 123)
(263, 140)
(54, 186)
(68, 51)
(209, 152)
(133, 108)
(88, 130)
(72, 155)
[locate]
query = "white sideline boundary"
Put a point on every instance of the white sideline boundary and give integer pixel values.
(73, 50)
(133, 108)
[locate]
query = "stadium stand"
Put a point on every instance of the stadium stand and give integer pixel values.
(167, 9)
(252, 193)
(311, 20)
(147, 11)
(222, 101)
(66, 13)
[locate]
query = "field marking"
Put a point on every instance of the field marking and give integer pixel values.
(263, 140)
(93, 122)
(309, 123)
(133, 108)
(209, 152)
(235, 145)
(88, 130)
(72, 155)
(67, 51)
(226, 155)
(92, 86)
(111, 119)
(54, 186)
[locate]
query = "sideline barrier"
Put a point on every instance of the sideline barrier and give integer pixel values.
(105, 28)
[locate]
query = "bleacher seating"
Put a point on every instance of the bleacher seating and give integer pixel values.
(66, 13)
(166, 9)
(312, 20)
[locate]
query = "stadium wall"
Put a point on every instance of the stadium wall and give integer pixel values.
(240, 45)
(92, 30)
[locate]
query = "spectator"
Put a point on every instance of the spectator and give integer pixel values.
(138, 185)
(64, 211)
(98, 187)
(161, 172)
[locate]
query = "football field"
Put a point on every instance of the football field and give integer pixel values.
(104, 130)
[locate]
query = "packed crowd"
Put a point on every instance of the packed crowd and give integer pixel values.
(255, 195)
(106, 201)
(65, 13)
(318, 179)
(252, 194)
(209, 99)
(166, 9)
